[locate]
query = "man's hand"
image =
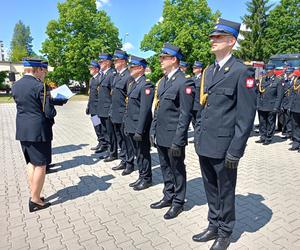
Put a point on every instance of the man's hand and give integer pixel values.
(231, 161)
(175, 150)
(137, 137)
(87, 111)
(153, 141)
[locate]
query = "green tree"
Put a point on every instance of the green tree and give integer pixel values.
(187, 24)
(253, 42)
(79, 35)
(283, 34)
(21, 44)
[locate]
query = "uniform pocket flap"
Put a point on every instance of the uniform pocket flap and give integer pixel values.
(224, 132)
(224, 91)
(170, 96)
(171, 126)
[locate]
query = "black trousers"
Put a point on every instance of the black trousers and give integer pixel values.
(119, 131)
(130, 150)
(174, 175)
(219, 183)
(109, 135)
(143, 157)
(296, 129)
(287, 123)
(99, 134)
(267, 124)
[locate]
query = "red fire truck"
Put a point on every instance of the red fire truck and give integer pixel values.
(283, 61)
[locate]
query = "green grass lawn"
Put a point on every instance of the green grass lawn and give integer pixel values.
(8, 99)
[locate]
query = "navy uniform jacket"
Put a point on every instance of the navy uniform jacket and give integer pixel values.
(104, 93)
(287, 86)
(138, 115)
(226, 120)
(295, 97)
(32, 124)
(93, 97)
(119, 94)
(197, 105)
(174, 112)
(271, 98)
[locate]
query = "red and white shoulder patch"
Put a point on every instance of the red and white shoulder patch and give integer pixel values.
(147, 91)
(250, 82)
(188, 90)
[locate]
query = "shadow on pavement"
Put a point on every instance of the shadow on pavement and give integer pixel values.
(77, 161)
(67, 148)
(251, 214)
(88, 184)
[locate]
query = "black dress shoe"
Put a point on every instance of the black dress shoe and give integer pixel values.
(267, 142)
(142, 185)
(208, 234)
(173, 212)
(161, 204)
(96, 147)
(221, 243)
(42, 199)
(137, 182)
(260, 141)
(110, 158)
(35, 207)
(293, 149)
(127, 171)
(101, 149)
(120, 166)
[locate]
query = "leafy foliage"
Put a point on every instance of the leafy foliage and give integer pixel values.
(21, 44)
(282, 33)
(254, 38)
(78, 36)
(187, 24)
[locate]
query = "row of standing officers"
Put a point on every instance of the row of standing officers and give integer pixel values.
(279, 96)
(222, 112)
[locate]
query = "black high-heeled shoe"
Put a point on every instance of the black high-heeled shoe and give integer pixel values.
(35, 207)
(42, 199)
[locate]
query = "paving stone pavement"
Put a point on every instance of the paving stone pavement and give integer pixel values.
(95, 209)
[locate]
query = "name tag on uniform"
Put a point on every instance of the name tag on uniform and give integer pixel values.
(249, 82)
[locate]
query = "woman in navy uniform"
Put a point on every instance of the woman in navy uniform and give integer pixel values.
(138, 120)
(227, 94)
(35, 117)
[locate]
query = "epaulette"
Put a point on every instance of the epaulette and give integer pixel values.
(187, 76)
(147, 80)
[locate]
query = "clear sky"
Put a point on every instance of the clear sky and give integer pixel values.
(134, 17)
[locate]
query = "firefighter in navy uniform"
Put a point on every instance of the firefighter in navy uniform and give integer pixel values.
(91, 108)
(270, 93)
(138, 120)
(172, 116)
(118, 107)
(197, 70)
(104, 105)
(227, 94)
(35, 118)
(287, 84)
(183, 66)
(294, 108)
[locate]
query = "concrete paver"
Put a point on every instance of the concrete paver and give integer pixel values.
(93, 207)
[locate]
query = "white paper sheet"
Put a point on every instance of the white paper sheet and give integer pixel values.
(95, 120)
(62, 92)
